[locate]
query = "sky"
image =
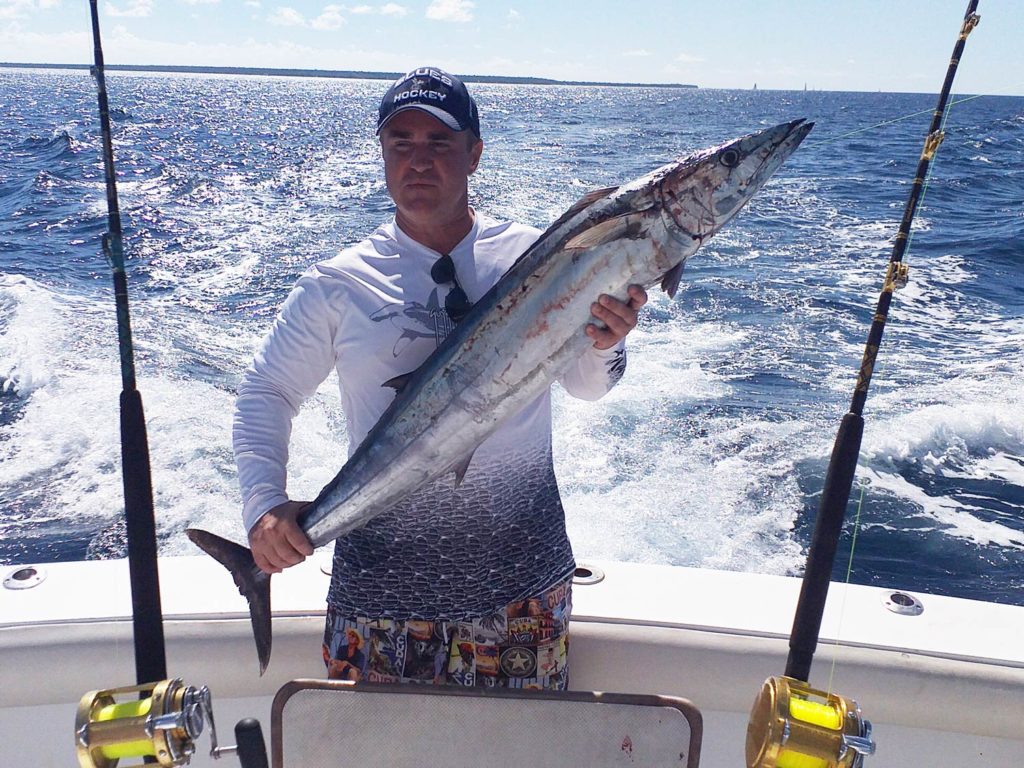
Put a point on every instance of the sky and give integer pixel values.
(859, 45)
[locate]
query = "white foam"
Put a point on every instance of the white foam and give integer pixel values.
(29, 332)
(971, 418)
(61, 454)
(694, 502)
(954, 518)
(642, 482)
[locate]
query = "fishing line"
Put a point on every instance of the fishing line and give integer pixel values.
(846, 584)
(928, 180)
(890, 122)
(862, 458)
(846, 449)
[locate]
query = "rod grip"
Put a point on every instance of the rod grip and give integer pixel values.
(822, 553)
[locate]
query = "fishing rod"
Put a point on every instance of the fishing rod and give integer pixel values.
(147, 615)
(791, 723)
(843, 463)
(166, 717)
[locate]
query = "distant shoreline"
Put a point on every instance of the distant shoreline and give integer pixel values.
(336, 73)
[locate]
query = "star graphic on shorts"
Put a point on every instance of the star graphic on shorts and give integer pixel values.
(519, 661)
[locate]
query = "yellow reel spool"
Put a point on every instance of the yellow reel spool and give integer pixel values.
(160, 720)
(795, 726)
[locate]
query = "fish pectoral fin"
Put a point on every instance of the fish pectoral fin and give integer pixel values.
(625, 227)
(399, 382)
(670, 280)
(460, 468)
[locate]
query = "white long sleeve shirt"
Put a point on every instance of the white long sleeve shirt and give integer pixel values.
(372, 313)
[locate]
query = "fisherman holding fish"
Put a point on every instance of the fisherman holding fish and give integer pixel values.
(439, 581)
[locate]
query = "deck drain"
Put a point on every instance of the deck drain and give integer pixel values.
(587, 574)
(25, 577)
(903, 604)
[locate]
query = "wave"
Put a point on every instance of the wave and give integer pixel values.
(712, 449)
(29, 330)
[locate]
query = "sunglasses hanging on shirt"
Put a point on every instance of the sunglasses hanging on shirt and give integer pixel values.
(456, 304)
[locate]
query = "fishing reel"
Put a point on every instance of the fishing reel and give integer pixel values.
(795, 726)
(160, 721)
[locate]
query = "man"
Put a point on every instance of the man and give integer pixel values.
(348, 661)
(450, 565)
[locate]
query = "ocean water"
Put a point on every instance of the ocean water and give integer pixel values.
(712, 450)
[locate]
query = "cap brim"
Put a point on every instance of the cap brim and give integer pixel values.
(435, 112)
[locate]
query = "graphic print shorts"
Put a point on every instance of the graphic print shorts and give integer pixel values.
(525, 645)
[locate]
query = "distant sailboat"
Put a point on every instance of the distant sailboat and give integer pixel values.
(755, 86)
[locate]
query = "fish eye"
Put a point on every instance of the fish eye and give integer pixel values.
(730, 158)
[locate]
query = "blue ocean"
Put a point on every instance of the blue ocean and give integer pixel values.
(712, 450)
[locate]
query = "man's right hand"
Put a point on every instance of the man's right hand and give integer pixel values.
(277, 541)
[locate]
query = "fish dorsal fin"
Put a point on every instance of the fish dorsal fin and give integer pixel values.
(580, 205)
(584, 202)
(460, 468)
(400, 382)
(670, 280)
(626, 226)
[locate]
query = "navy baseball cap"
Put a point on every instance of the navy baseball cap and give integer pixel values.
(435, 92)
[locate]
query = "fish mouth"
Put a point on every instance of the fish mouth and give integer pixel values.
(768, 149)
(798, 130)
(780, 141)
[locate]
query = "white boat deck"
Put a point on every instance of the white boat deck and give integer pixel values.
(945, 687)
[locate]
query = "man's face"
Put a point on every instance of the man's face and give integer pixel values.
(427, 166)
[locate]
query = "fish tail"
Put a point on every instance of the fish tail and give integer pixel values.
(252, 583)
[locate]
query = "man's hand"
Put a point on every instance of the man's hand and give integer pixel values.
(619, 317)
(276, 540)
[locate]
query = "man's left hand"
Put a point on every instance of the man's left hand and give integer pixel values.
(619, 317)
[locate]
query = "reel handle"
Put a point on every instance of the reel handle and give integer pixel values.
(252, 749)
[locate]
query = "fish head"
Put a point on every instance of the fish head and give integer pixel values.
(699, 194)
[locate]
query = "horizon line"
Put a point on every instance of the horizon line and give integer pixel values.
(350, 74)
(486, 79)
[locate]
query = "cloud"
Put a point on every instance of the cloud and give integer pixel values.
(686, 58)
(20, 44)
(514, 15)
(388, 9)
(134, 9)
(640, 53)
(329, 19)
(22, 9)
(287, 17)
(450, 10)
(120, 45)
(253, 4)
(201, 2)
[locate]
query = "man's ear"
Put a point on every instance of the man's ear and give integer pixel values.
(474, 155)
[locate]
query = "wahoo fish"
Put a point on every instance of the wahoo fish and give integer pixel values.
(522, 335)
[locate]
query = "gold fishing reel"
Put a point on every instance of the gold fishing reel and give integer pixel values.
(157, 720)
(795, 726)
